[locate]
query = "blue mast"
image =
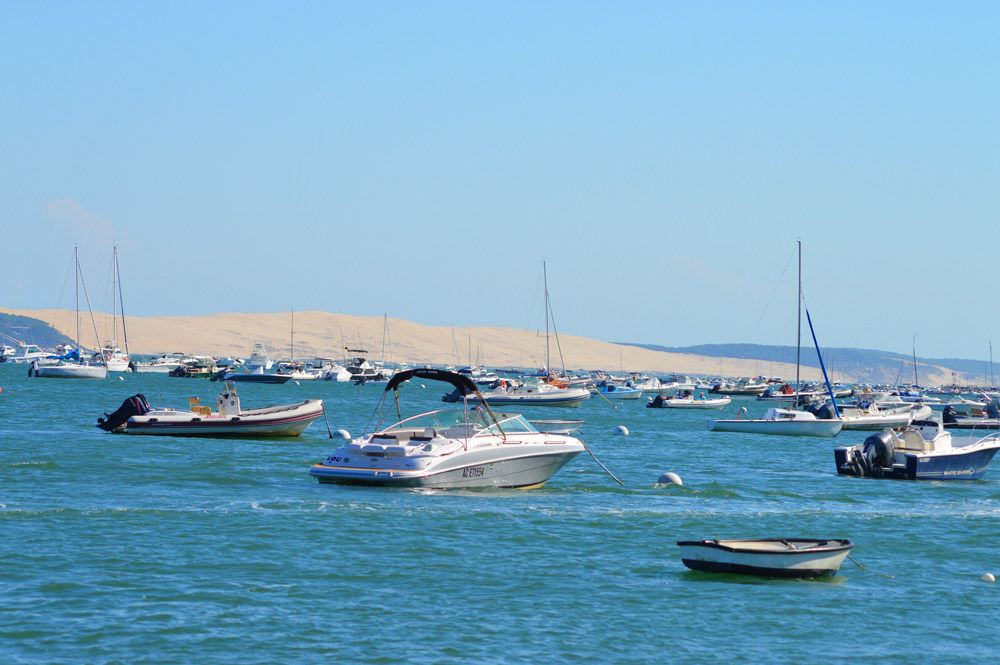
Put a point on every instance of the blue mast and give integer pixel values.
(822, 366)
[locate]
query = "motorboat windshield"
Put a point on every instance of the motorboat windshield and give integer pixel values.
(479, 420)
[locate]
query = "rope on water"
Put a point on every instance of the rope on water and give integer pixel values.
(869, 570)
(599, 462)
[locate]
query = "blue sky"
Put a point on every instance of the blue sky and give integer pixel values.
(421, 159)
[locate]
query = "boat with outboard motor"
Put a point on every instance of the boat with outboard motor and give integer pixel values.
(243, 374)
(688, 401)
(136, 416)
(924, 450)
(785, 422)
(469, 447)
(771, 557)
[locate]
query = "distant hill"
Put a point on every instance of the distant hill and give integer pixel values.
(30, 331)
(865, 364)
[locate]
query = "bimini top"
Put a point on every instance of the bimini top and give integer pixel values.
(465, 385)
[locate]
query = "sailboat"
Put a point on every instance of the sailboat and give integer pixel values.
(546, 389)
(787, 422)
(114, 359)
(78, 369)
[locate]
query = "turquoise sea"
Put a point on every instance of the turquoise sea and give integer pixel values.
(117, 549)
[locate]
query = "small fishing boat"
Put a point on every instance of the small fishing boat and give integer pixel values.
(785, 422)
(771, 557)
(135, 416)
(868, 416)
(467, 447)
(688, 402)
(923, 451)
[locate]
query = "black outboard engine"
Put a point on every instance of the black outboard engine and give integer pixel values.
(877, 454)
(657, 402)
(949, 415)
(133, 406)
(804, 400)
(992, 411)
(824, 411)
(452, 397)
(33, 368)
(220, 375)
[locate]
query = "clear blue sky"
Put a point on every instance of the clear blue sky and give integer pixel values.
(421, 159)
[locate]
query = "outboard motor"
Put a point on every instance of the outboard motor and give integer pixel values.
(804, 400)
(877, 454)
(824, 411)
(949, 415)
(452, 397)
(657, 402)
(33, 368)
(133, 406)
(992, 411)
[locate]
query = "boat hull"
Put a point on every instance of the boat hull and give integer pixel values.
(289, 420)
(715, 404)
(970, 462)
(820, 428)
(72, 372)
(525, 471)
(788, 558)
(571, 398)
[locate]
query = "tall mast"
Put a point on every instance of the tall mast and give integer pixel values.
(114, 300)
(293, 335)
(76, 257)
(121, 301)
(915, 382)
(798, 344)
(545, 272)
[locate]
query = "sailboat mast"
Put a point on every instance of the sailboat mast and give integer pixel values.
(76, 259)
(121, 301)
(545, 272)
(915, 382)
(293, 335)
(798, 345)
(114, 300)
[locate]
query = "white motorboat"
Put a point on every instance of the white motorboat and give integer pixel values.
(777, 557)
(784, 422)
(532, 393)
(25, 354)
(161, 364)
(259, 358)
(229, 420)
(688, 402)
(923, 451)
(868, 416)
(468, 447)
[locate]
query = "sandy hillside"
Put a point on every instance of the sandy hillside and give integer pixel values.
(324, 334)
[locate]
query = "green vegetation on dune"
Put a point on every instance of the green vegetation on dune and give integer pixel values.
(31, 331)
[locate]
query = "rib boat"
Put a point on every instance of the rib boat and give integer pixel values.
(468, 447)
(135, 416)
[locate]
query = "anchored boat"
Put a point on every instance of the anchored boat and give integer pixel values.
(787, 557)
(923, 451)
(135, 416)
(468, 447)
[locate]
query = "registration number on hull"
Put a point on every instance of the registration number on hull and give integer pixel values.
(474, 472)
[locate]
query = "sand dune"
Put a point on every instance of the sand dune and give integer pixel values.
(325, 334)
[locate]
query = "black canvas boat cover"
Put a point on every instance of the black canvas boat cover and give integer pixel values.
(465, 385)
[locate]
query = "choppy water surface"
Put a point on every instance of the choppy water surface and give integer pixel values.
(161, 550)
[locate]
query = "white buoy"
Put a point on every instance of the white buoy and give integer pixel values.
(121, 378)
(649, 398)
(422, 385)
(297, 383)
(670, 478)
(622, 430)
(343, 434)
(988, 577)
